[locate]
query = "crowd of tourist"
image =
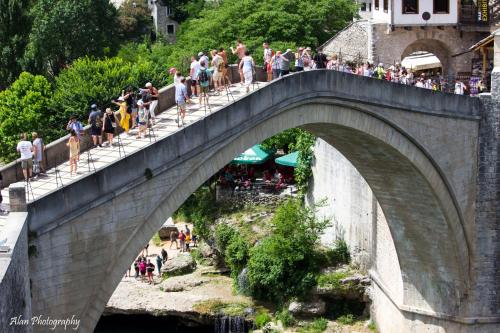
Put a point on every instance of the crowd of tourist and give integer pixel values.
(241, 178)
(209, 72)
(144, 268)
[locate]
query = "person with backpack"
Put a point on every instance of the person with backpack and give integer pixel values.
(109, 124)
(95, 121)
(203, 77)
(320, 59)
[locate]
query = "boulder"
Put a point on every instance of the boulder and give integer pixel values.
(272, 327)
(177, 284)
(307, 309)
(166, 229)
(179, 265)
(205, 250)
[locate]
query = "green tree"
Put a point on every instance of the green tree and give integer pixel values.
(14, 29)
(64, 30)
(134, 17)
(90, 81)
(184, 9)
(285, 264)
(24, 107)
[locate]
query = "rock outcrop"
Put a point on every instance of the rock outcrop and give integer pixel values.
(307, 309)
(179, 265)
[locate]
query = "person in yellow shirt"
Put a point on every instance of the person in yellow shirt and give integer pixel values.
(188, 240)
(124, 115)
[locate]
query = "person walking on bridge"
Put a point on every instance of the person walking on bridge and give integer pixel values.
(247, 66)
(95, 121)
(240, 52)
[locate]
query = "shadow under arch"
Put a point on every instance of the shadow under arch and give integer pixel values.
(434, 46)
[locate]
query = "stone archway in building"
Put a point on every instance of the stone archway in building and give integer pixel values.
(436, 47)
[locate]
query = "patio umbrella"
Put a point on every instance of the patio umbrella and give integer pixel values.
(288, 160)
(254, 155)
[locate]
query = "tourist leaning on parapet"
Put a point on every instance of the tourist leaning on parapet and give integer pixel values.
(109, 125)
(95, 121)
(38, 150)
(25, 148)
(153, 102)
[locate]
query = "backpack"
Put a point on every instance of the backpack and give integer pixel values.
(98, 121)
(220, 66)
(203, 76)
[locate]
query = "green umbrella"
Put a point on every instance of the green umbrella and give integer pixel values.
(254, 155)
(288, 160)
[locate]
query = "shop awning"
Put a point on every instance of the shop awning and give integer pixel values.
(288, 160)
(254, 155)
(420, 62)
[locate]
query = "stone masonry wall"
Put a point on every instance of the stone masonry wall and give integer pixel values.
(15, 299)
(350, 42)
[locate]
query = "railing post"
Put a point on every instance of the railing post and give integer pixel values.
(17, 197)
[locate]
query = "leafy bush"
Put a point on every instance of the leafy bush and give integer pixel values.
(340, 253)
(372, 326)
(200, 209)
(317, 326)
(25, 107)
(285, 317)
(236, 254)
(196, 255)
(303, 171)
(332, 280)
(281, 266)
(262, 318)
(223, 235)
(90, 81)
(347, 319)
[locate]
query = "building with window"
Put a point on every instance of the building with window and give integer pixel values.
(399, 28)
(164, 25)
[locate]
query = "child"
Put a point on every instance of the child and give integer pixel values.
(74, 152)
(142, 116)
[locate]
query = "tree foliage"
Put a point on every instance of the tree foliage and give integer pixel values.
(184, 9)
(89, 81)
(64, 30)
(24, 107)
(284, 265)
(134, 18)
(14, 29)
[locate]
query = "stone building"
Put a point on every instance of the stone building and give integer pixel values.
(164, 25)
(396, 29)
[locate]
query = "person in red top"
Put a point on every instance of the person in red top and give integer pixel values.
(182, 240)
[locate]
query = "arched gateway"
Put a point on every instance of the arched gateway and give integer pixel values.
(417, 151)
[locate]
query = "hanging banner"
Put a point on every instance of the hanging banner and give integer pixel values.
(483, 12)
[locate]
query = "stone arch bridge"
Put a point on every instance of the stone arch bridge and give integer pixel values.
(427, 157)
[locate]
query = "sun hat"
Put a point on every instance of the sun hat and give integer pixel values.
(200, 54)
(121, 99)
(149, 85)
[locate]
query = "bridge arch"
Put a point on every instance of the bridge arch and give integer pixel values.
(434, 46)
(414, 193)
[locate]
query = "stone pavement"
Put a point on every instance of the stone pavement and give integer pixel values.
(126, 144)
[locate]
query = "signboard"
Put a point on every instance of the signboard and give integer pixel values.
(483, 12)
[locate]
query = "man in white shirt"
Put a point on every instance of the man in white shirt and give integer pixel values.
(195, 66)
(25, 148)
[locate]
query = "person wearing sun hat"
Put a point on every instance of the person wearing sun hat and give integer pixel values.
(109, 125)
(124, 115)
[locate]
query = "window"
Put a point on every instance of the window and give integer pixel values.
(386, 6)
(170, 29)
(168, 11)
(410, 6)
(363, 6)
(376, 5)
(441, 6)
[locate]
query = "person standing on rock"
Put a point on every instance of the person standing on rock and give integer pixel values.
(164, 255)
(173, 239)
(159, 262)
(182, 239)
(150, 267)
(142, 269)
(136, 267)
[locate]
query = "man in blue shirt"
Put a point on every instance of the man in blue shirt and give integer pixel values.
(181, 98)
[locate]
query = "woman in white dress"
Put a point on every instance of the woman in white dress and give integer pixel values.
(246, 66)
